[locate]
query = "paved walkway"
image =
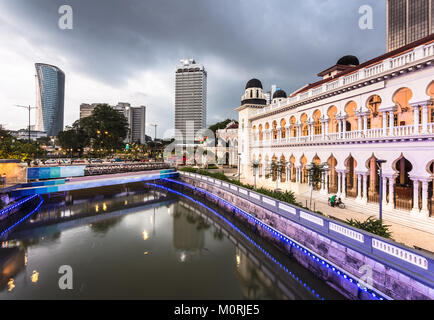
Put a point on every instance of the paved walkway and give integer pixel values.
(400, 233)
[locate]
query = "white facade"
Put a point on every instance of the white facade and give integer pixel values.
(382, 109)
(227, 145)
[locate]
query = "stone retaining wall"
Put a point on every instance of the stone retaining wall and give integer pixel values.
(385, 279)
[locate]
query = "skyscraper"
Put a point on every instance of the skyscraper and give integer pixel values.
(50, 95)
(190, 99)
(137, 122)
(408, 21)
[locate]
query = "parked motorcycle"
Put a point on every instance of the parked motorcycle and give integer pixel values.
(338, 203)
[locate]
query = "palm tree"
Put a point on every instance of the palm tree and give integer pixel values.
(255, 166)
(315, 173)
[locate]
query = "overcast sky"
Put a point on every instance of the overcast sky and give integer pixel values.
(127, 50)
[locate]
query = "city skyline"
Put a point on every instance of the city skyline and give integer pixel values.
(136, 62)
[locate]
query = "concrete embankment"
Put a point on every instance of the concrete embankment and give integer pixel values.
(375, 262)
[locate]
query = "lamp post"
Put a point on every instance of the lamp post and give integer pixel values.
(380, 173)
(29, 108)
(239, 167)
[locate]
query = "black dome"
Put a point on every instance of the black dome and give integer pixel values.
(349, 61)
(254, 83)
(279, 94)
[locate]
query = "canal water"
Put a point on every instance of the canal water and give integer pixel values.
(132, 242)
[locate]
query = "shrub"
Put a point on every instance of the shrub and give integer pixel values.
(372, 225)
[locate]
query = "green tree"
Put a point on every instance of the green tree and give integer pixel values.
(106, 128)
(315, 173)
(74, 139)
(220, 125)
(12, 148)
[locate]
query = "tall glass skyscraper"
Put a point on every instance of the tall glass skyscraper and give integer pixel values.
(190, 99)
(50, 96)
(408, 21)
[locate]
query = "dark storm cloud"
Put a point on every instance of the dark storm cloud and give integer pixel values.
(283, 42)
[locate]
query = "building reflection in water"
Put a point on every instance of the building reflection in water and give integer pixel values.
(12, 262)
(188, 233)
(79, 203)
(254, 282)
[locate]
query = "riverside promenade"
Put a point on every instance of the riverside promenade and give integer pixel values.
(401, 233)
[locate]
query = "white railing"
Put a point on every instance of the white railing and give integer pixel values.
(333, 85)
(351, 78)
(374, 133)
(352, 135)
(403, 131)
(372, 71)
(402, 60)
(400, 131)
(417, 53)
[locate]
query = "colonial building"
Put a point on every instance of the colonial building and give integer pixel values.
(356, 114)
(227, 146)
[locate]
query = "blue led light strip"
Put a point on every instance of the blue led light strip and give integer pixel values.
(18, 204)
(296, 278)
(24, 218)
(278, 235)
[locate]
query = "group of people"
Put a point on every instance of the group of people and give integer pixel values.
(94, 170)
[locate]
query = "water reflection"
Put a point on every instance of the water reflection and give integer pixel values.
(142, 238)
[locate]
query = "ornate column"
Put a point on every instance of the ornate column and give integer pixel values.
(365, 188)
(391, 122)
(326, 125)
(415, 209)
(359, 187)
(323, 183)
(339, 182)
(416, 119)
(425, 118)
(391, 203)
(365, 123)
(360, 129)
(384, 123)
(298, 127)
(344, 125)
(424, 210)
(323, 129)
(384, 194)
(344, 185)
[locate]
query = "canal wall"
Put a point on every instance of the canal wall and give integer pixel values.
(380, 265)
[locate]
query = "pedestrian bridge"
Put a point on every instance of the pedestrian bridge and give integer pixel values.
(63, 185)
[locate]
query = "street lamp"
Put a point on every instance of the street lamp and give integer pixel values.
(29, 108)
(380, 172)
(239, 167)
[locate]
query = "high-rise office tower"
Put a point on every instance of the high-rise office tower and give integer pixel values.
(408, 21)
(138, 124)
(190, 99)
(50, 96)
